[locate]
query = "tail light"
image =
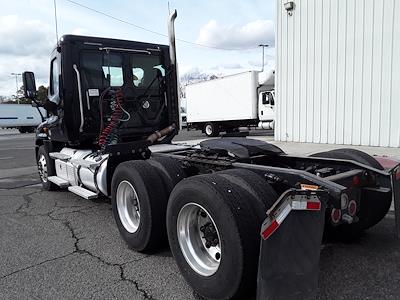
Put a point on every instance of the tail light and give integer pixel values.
(356, 180)
(352, 208)
(344, 200)
(397, 176)
(281, 209)
(336, 215)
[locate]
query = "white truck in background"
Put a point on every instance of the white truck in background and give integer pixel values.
(227, 103)
(24, 117)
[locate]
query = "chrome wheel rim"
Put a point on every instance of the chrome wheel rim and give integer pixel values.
(199, 239)
(128, 206)
(209, 129)
(42, 168)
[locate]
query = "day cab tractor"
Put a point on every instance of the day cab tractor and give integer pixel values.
(113, 112)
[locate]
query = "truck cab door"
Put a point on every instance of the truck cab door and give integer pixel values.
(266, 106)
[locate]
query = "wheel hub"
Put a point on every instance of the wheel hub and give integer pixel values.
(199, 239)
(210, 235)
(128, 206)
(209, 129)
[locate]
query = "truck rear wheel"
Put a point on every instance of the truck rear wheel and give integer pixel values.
(170, 170)
(46, 168)
(262, 194)
(211, 129)
(372, 211)
(214, 237)
(139, 202)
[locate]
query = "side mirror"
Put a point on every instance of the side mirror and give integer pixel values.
(28, 78)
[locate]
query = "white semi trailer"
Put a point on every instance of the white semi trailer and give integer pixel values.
(24, 117)
(227, 103)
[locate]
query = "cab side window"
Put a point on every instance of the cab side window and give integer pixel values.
(268, 98)
(54, 77)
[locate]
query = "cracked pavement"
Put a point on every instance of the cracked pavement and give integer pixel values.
(61, 246)
(55, 245)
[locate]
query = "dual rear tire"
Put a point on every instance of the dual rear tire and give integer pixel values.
(139, 196)
(213, 224)
(212, 221)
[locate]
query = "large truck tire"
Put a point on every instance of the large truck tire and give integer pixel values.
(371, 210)
(46, 168)
(214, 236)
(262, 195)
(211, 129)
(22, 129)
(170, 170)
(139, 203)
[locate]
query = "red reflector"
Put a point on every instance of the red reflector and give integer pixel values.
(314, 205)
(336, 214)
(270, 230)
(356, 181)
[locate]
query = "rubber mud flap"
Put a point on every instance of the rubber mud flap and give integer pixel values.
(396, 197)
(289, 259)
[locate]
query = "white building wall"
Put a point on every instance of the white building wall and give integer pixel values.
(338, 72)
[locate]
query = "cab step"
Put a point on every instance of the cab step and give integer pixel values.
(62, 183)
(82, 192)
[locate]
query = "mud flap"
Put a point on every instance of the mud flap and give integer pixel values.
(290, 249)
(396, 197)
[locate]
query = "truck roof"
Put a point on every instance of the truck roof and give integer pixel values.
(106, 41)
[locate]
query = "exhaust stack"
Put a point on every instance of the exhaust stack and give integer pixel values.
(171, 37)
(172, 58)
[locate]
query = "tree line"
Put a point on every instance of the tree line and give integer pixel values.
(41, 96)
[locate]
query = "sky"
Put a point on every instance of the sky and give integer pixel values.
(27, 32)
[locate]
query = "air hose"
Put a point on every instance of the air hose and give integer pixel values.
(108, 133)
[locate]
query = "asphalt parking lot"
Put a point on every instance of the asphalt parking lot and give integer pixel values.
(55, 245)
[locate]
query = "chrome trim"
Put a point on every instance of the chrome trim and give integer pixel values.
(124, 49)
(78, 79)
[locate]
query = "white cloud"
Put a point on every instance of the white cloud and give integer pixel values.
(237, 36)
(25, 37)
(80, 31)
(26, 45)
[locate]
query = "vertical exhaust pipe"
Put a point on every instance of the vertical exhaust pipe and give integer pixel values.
(172, 58)
(171, 37)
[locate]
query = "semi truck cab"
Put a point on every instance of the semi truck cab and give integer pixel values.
(90, 77)
(266, 108)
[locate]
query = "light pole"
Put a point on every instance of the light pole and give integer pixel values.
(16, 84)
(263, 47)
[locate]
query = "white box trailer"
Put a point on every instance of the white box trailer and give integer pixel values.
(229, 102)
(24, 117)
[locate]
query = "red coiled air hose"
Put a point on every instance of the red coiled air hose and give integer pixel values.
(115, 118)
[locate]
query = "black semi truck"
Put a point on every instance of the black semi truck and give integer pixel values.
(241, 217)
